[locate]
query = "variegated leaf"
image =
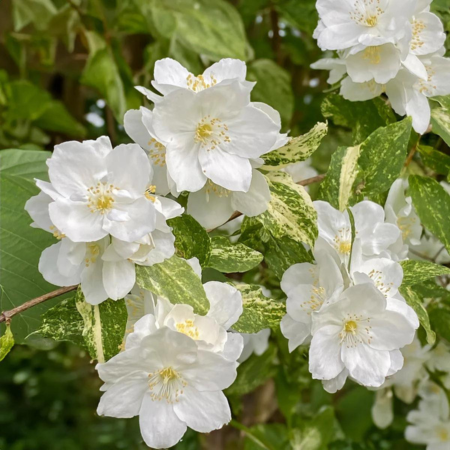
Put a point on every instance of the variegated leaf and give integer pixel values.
(440, 121)
(175, 280)
(415, 272)
(260, 312)
(297, 149)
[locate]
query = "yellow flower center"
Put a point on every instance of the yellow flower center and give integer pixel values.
(101, 197)
(373, 55)
(188, 328)
(92, 253)
(157, 152)
(166, 384)
(199, 83)
(366, 12)
(210, 133)
(350, 327)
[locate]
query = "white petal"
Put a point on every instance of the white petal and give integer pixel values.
(383, 408)
(297, 333)
(92, 283)
(203, 411)
(118, 278)
(37, 208)
(335, 384)
(256, 200)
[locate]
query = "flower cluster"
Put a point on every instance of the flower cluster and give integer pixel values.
(347, 305)
(101, 206)
(385, 46)
(174, 365)
(206, 137)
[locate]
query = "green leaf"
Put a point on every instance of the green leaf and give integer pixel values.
(37, 12)
(362, 117)
(440, 121)
(191, 239)
(337, 188)
(28, 164)
(273, 87)
(297, 149)
(283, 253)
(416, 303)
(175, 280)
(415, 272)
(254, 372)
(210, 27)
(301, 15)
(440, 321)
(290, 212)
(20, 249)
(6, 343)
(383, 155)
(268, 436)
(373, 165)
(104, 326)
(259, 312)
(101, 73)
(317, 433)
(230, 258)
(434, 159)
(432, 204)
(63, 322)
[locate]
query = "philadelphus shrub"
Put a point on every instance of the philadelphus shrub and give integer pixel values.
(385, 46)
(116, 214)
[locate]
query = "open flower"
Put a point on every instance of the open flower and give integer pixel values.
(97, 190)
(360, 334)
(171, 384)
(171, 75)
(345, 24)
(212, 134)
(308, 287)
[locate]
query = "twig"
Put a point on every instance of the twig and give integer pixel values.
(7, 315)
(307, 182)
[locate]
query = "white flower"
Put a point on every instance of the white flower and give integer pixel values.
(440, 358)
(309, 288)
(345, 24)
(97, 190)
(430, 248)
(171, 384)
(401, 212)
(212, 134)
(430, 424)
(375, 236)
(409, 94)
(360, 92)
(138, 125)
(336, 66)
(209, 332)
(213, 205)
(256, 343)
(361, 334)
(170, 75)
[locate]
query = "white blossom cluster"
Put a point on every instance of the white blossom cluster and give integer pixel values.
(347, 305)
(206, 137)
(101, 205)
(385, 46)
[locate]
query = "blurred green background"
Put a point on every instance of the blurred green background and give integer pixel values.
(67, 71)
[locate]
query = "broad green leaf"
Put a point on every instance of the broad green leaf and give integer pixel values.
(273, 87)
(20, 249)
(431, 290)
(175, 280)
(337, 188)
(415, 272)
(6, 343)
(432, 204)
(290, 212)
(435, 160)
(372, 166)
(383, 155)
(416, 303)
(38, 12)
(297, 149)
(317, 433)
(283, 253)
(210, 27)
(440, 121)
(191, 239)
(362, 117)
(28, 164)
(63, 322)
(268, 436)
(230, 258)
(254, 372)
(300, 15)
(101, 73)
(260, 312)
(440, 321)
(104, 326)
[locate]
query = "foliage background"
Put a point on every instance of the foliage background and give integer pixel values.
(67, 71)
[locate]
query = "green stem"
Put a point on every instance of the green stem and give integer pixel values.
(250, 435)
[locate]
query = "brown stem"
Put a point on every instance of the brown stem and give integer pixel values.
(7, 315)
(276, 38)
